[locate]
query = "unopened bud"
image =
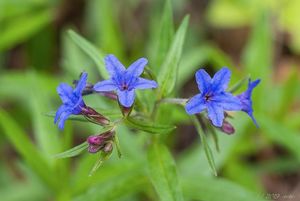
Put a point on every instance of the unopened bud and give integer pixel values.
(227, 128)
(98, 142)
(95, 139)
(90, 113)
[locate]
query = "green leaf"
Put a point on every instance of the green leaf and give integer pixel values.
(104, 22)
(73, 151)
(149, 127)
(163, 173)
(46, 134)
(258, 57)
(19, 29)
(114, 188)
(117, 144)
(168, 73)
(214, 136)
(108, 113)
(280, 134)
(26, 149)
(288, 94)
(216, 189)
(165, 36)
(208, 152)
(103, 157)
(96, 55)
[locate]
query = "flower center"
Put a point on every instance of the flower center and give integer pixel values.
(207, 97)
(124, 86)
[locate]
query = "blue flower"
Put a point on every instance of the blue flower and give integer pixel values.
(123, 80)
(213, 96)
(72, 100)
(246, 101)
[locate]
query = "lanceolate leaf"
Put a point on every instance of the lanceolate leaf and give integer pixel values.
(165, 35)
(91, 51)
(26, 149)
(73, 151)
(103, 157)
(168, 74)
(19, 29)
(208, 152)
(163, 174)
(109, 114)
(149, 127)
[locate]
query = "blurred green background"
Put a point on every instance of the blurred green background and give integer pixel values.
(256, 38)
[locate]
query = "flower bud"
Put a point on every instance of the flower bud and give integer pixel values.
(92, 114)
(100, 142)
(227, 128)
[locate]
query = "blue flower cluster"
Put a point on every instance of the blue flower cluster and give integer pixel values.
(124, 81)
(213, 97)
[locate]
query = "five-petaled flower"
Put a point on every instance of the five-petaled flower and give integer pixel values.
(123, 80)
(213, 96)
(245, 99)
(72, 100)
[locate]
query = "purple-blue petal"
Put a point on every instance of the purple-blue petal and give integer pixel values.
(251, 86)
(142, 83)
(59, 111)
(65, 92)
(106, 85)
(126, 98)
(203, 80)
(195, 105)
(63, 117)
(215, 114)
(246, 101)
(113, 65)
(221, 79)
(137, 67)
(227, 101)
(81, 84)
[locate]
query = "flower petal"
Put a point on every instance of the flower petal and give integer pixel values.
(64, 116)
(253, 119)
(251, 86)
(106, 85)
(126, 98)
(203, 80)
(113, 65)
(81, 84)
(215, 114)
(142, 83)
(195, 105)
(227, 101)
(137, 67)
(59, 111)
(221, 79)
(65, 92)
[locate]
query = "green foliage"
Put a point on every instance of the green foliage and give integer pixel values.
(147, 126)
(163, 174)
(91, 51)
(154, 165)
(168, 72)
